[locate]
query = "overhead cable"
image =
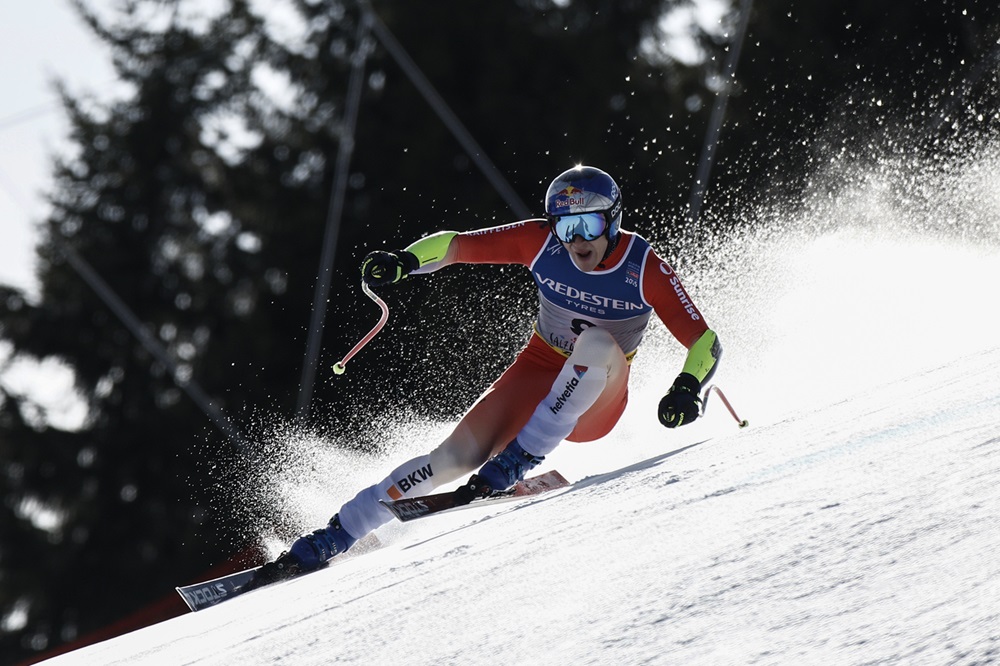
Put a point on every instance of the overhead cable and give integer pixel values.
(148, 341)
(334, 213)
(447, 116)
(142, 334)
(712, 134)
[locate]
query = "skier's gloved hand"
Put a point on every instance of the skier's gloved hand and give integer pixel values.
(380, 268)
(681, 405)
(499, 473)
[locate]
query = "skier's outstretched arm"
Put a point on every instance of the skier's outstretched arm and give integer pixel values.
(515, 243)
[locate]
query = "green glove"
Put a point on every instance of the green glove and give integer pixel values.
(681, 405)
(380, 268)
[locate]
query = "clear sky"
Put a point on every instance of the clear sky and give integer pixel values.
(39, 41)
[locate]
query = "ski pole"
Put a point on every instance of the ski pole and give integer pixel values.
(743, 423)
(339, 367)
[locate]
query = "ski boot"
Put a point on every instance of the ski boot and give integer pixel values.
(498, 474)
(308, 553)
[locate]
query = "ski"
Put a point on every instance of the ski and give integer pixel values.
(411, 508)
(212, 592)
(205, 595)
(209, 593)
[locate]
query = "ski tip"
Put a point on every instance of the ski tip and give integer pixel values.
(559, 478)
(542, 483)
(190, 604)
(209, 593)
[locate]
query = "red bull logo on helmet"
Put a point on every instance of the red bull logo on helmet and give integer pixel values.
(572, 199)
(570, 196)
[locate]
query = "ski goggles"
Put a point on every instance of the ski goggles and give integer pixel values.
(587, 226)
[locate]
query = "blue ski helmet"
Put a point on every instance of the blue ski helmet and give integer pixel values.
(584, 201)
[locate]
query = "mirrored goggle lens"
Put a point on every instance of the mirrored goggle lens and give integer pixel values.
(586, 225)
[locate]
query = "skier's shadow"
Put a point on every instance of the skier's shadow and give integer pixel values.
(597, 479)
(586, 482)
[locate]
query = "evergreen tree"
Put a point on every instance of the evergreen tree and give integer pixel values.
(151, 202)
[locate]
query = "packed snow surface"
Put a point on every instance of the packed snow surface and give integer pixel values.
(853, 522)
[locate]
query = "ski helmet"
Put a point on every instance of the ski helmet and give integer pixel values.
(584, 201)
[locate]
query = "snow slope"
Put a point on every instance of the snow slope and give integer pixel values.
(861, 532)
(854, 522)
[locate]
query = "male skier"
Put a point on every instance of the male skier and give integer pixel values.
(597, 288)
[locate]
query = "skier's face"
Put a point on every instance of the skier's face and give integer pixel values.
(587, 254)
